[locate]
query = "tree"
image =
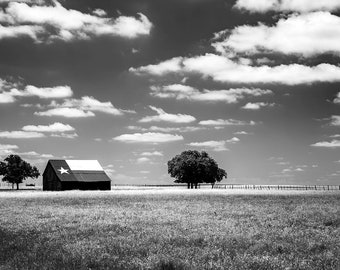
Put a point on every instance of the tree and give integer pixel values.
(193, 167)
(15, 170)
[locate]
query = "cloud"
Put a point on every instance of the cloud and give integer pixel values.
(38, 2)
(337, 99)
(233, 140)
(91, 104)
(65, 135)
(43, 22)
(35, 154)
(167, 117)
(143, 160)
(167, 129)
(167, 66)
(99, 12)
(223, 69)
(49, 92)
(154, 153)
(149, 137)
(31, 131)
(257, 105)
(179, 91)
(307, 34)
(213, 145)
(241, 133)
(56, 127)
(66, 112)
(6, 149)
(263, 6)
(84, 107)
(8, 92)
(20, 134)
(175, 129)
(5, 97)
(225, 122)
(331, 144)
(335, 120)
(19, 31)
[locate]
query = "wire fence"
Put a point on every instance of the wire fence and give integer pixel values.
(239, 186)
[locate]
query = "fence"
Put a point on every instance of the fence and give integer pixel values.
(241, 186)
(278, 187)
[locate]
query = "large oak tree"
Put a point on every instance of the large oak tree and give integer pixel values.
(15, 170)
(193, 167)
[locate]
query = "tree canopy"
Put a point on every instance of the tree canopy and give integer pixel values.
(193, 167)
(15, 170)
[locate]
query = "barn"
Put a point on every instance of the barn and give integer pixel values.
(64, 174)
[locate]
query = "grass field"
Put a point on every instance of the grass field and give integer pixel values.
(170, 229)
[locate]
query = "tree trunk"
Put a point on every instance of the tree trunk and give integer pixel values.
(188, 185)
(212, 185)
(17, 186)
(195, 185)
(12, 185)
(192, 185)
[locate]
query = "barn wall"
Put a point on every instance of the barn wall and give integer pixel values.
(50, 179)
(86, 185)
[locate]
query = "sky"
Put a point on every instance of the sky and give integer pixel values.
(132, 83)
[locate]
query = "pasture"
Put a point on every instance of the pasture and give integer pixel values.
(170, 229)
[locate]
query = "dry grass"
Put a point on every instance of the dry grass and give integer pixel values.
(170, 229)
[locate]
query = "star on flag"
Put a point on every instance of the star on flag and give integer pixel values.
(62, 170)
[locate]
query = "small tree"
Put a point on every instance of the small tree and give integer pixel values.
(15, 170)
(193, 167)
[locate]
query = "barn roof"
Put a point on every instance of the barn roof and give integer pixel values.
(78, 170)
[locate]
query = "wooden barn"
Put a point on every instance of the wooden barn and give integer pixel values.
(75, 174)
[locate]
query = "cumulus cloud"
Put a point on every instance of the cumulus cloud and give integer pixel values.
(6, 98)
(21, 134)
(154, 153)
(233, 140)
(56, 127)
(331, 144)
(306, 34)
(226, 122)
(180, 91)
(241, 133)
(8, 92)
(84, 107)
(149, 137)
(335, 120)
(167, 129)
(6, 149)
(256, 105)
(49, 22)
(66, 112)
(263, 6)
(167, 117)
(65, 135)
(38, 131)
(35, 154)
(213, 145)
(48, 92)
(223, 69)
(337, 99)
(143, 160)
(91, 104)
(167, 66)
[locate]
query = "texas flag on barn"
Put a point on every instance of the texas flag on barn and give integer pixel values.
(65, 174)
